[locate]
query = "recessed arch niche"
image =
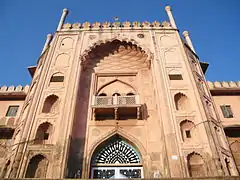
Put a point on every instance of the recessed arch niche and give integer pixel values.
(37, 167)
(116, 55)
(113, 58)
(196, 165)
(168, 41)
(62, 60)
(66, 43)
(116, 86)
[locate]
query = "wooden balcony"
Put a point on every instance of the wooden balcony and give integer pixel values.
(116, 107)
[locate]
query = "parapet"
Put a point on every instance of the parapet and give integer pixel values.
(223, 85)
(122, 25)
(12, 90)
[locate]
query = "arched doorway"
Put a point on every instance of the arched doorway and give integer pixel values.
(116, 159)
(37, 167)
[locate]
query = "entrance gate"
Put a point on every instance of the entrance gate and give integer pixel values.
(116, 172)
(116, 159)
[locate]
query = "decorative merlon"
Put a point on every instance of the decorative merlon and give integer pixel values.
(11, 89)
(223, 84)
(122, 25)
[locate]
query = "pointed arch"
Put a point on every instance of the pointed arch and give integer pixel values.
(146, 57)
(168, 41)
(44, 133)
(57, 77)
(62, 60)
(37, 167)
(66, 43)
(115, 150)
(102, 94)
(181, 102)
(143, 47)
(115, 80)
(186, 127)
(196, 165)
(123, 134)
(51, 104)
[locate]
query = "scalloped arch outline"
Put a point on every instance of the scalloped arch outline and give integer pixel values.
(134, 42)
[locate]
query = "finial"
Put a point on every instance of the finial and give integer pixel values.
(188, 40)
(185, 33)
(62, 19)
(65, 10)
(48, 40)
(170, 16)
(168, 8)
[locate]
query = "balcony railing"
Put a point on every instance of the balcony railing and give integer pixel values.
(115, 100)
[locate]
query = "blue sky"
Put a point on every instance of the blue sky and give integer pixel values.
(213, 25)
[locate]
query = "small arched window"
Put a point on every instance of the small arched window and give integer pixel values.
(51, 104)
(187, 129)
(181, 102)
(44, 133)
(116, 94)
(57, 79)
(102, 94)
(130, 94)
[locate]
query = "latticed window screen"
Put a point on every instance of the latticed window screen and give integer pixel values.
(104, 100)
(12, 111)
(227, 111)
(127, 100)
(117, 151)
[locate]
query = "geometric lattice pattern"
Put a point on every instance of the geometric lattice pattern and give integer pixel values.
(116, 152)
(104, 100)
(115, 100)
(127, 100)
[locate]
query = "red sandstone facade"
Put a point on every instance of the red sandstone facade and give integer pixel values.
(119, 100)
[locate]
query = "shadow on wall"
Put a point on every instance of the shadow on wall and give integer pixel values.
(145, 114)
(75, 158)
(76, 150)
